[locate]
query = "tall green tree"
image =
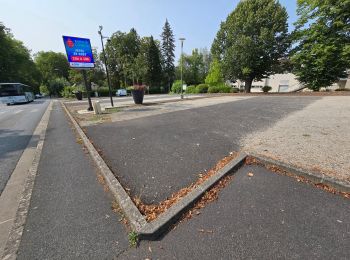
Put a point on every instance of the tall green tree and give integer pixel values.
(153, 75)
(16, 63)
(51, 65)
(323, 37)
(252, 40)
(141, 61)
(168, 55)
(122, 50)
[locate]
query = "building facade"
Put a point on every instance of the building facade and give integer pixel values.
(288, 82)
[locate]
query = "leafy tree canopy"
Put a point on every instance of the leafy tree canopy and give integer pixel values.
(122, 50)
(323, 37)
(195, 66)
(16, 64)
(252, 40)
(51, 65)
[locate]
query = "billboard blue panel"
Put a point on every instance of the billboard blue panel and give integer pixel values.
(79, 52)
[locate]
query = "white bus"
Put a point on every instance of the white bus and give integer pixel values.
(14, 93)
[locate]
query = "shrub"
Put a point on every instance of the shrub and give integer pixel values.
(215, 75)
(266, 89)
(56, 86)
(44, 90)
(202, 88)
(219, 89)
(235, 90)
(176, 87)
(67, 92)
(155, 90)
(104, 92)
(191, 89)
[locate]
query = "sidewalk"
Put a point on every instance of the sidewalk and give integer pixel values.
(70, 215)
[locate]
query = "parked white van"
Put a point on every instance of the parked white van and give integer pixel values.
(121, 92)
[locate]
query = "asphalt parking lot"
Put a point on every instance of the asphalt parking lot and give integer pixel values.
(157, 155)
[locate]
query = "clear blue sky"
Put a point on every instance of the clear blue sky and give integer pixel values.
(40, 24)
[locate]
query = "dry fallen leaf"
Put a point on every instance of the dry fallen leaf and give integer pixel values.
(150, 249)
(250, 174)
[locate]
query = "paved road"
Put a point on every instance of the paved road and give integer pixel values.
(146, 153)
(266, 216)
(17, 124)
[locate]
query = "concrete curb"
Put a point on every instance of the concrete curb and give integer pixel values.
(14, 239)
(155, 228)
(152, 230)
(310, 175)
(131, 212)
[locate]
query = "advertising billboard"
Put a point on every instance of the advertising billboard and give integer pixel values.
(79, 52)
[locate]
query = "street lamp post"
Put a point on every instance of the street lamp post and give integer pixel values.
(105, 60)
(182, 46)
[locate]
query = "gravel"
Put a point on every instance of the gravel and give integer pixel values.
(316, 138)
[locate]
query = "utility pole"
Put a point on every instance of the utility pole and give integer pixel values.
(106, 66)
(182, 46)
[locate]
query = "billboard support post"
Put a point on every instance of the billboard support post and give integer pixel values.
(88, 90)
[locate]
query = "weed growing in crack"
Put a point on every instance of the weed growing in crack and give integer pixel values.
(133, 239)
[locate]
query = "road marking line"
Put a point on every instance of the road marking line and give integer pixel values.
(19, 111)
(34, 110)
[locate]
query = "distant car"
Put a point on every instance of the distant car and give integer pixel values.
(38, 95)
(121, 92)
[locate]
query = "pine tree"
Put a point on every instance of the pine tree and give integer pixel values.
(154, 69)
(168, 55)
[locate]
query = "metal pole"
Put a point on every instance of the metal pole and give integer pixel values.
(182, 45)
(105, 59)
(87, 87)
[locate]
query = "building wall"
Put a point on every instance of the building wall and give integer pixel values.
(287, 82)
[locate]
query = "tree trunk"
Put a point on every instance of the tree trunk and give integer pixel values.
(248, 85)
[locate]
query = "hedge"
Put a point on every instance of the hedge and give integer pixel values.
(191, 89)
(202, 88)
(219, 89)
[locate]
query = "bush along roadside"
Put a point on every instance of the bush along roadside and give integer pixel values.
(220, 89)
(202, 88)
(176, 87)
(266, 89)
(191, 89)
